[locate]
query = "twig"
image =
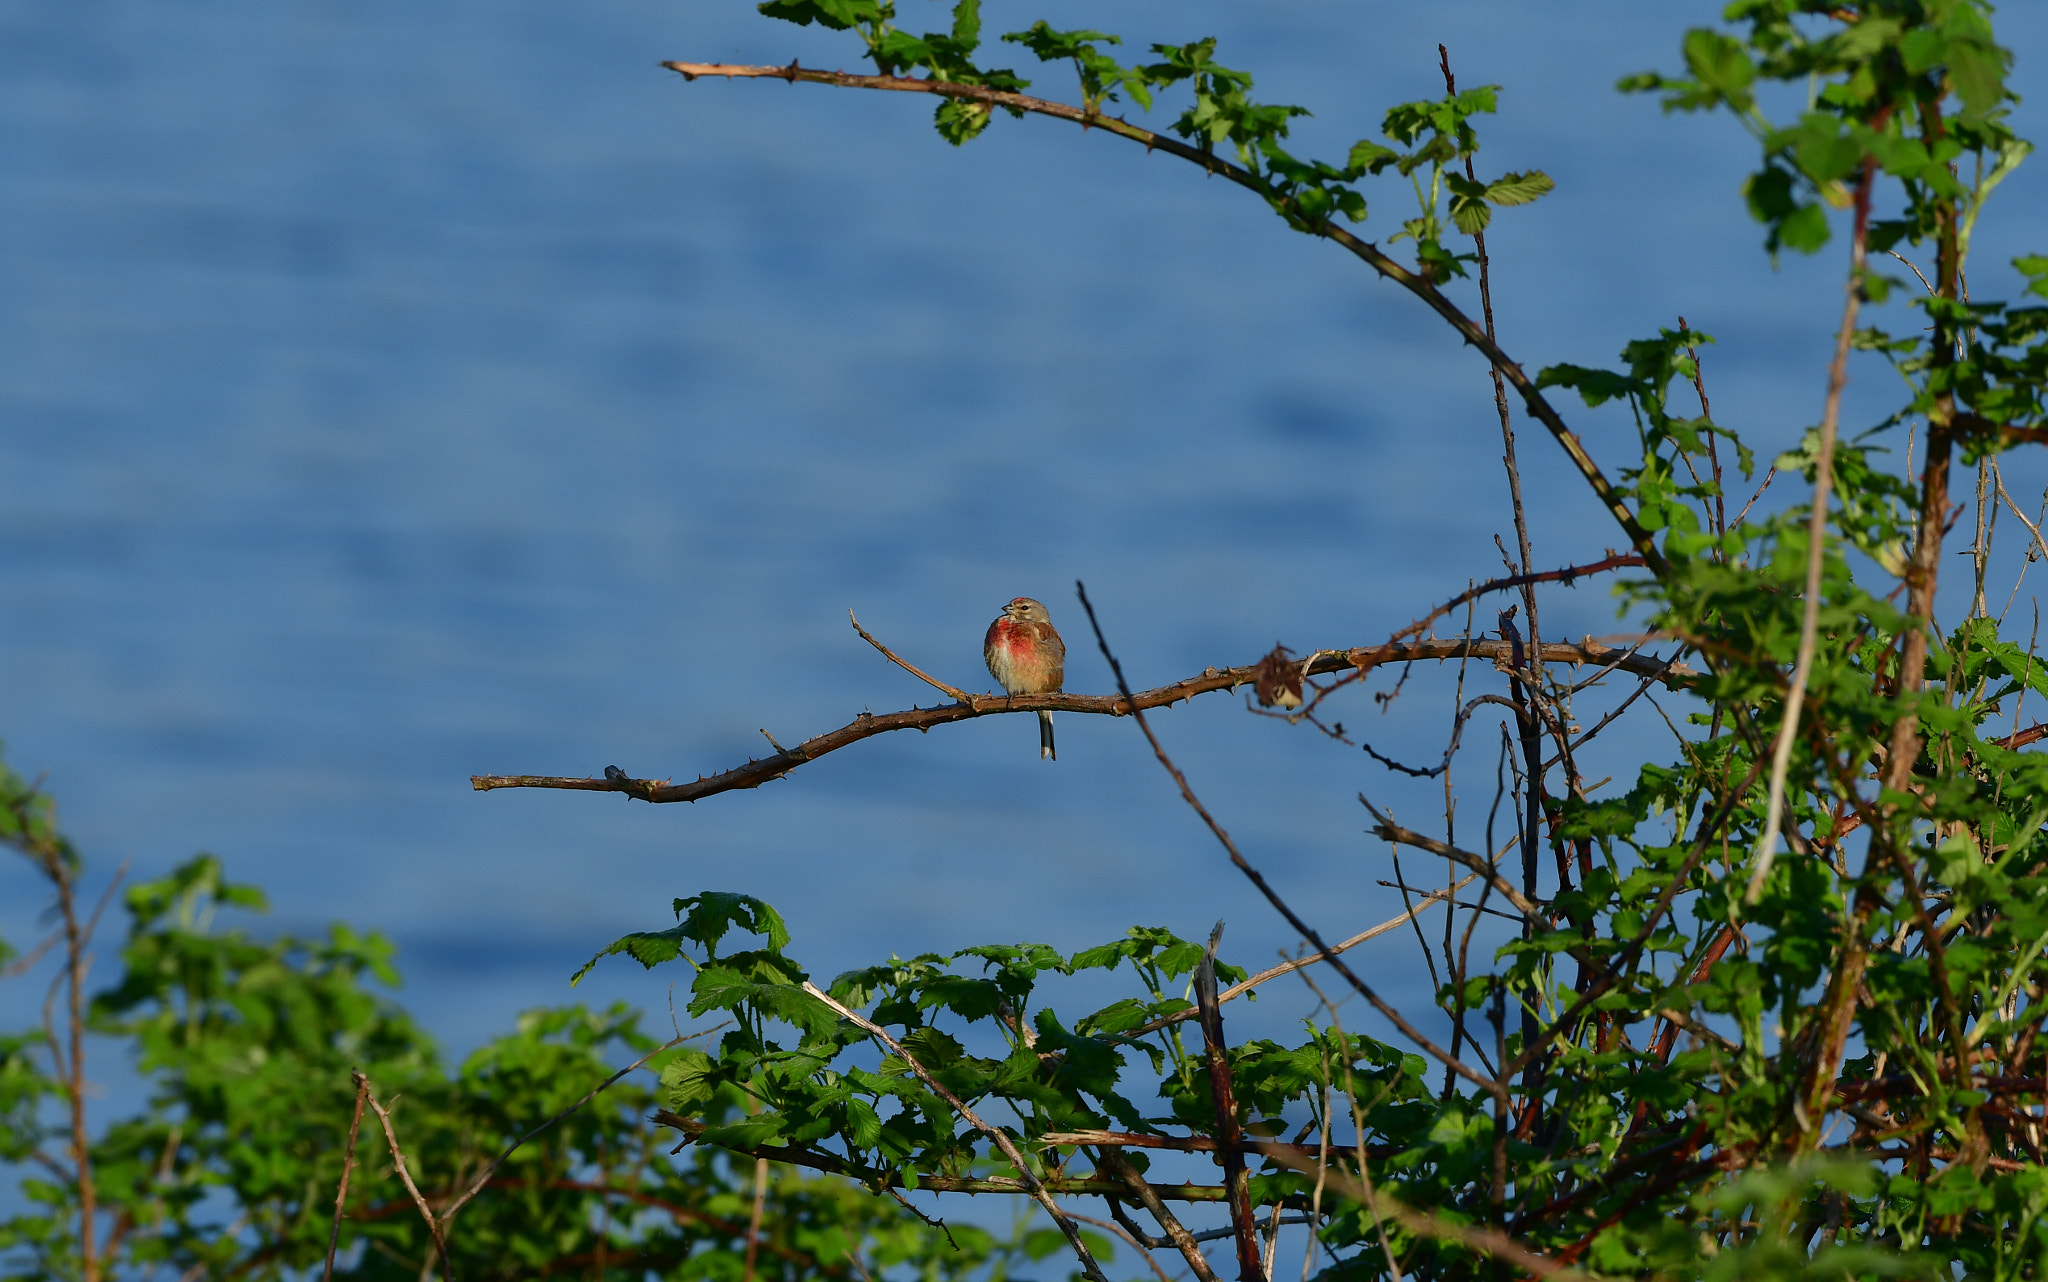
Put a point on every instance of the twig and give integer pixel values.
(1362, 659)
(348, 1162)
(1567, 575)
(1816, 546)
(754, 1218)
(405, 1175)
(1415, 283)
(1127, 1236)
(1602, 724)
(912, 669)
(1258, 879)
(996, 1135)
(929, 1221)
(1387, 830)
(1112, 1162)
(25, 963)
(2040, 547)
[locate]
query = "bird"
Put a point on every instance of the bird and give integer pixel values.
(1025, 655)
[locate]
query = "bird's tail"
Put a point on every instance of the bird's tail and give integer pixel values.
(1045, 752)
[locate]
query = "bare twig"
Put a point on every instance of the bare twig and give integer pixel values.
(1258, 879)
(25, 963)
(1388, 830)
(1361, 659)
(405, 1175)
(912, 669)
(996, 1135)
(754, 1217)
(348, 1164)
(1111, 1162)
(1816, 545)
(1127, 1236)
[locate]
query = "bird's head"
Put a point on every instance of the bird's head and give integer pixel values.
(1026, 610)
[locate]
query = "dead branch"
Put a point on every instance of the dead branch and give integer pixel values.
(348, 1162)
(405, 1174)
(1361, 659)
(1388, 830)
(914, 671)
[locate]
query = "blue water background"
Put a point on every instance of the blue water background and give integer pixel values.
(397, 392)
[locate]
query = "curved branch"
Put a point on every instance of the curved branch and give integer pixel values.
(1537, 407)
(1362, 659)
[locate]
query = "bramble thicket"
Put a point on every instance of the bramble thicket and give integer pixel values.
(1767, 1005)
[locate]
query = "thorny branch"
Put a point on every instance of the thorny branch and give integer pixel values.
(1361, 659)
(348, 1162)
(434, 1225)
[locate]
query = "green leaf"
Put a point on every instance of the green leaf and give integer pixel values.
(1721, 64)
(1805, 229)
(1520, 188)
(707, 917)
(649, 948)
(838, 15)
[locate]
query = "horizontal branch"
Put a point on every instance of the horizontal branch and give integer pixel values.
(1199, 1143)
(873, 1178)
(1416, 284)
(1362, 659)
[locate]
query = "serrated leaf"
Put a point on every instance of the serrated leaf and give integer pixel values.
(1369, 156)
(707, 917)
(1519, 188)
(649, 948)
(1470, 216)
(863, 1124)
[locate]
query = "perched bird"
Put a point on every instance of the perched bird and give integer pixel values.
(1025, 655)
